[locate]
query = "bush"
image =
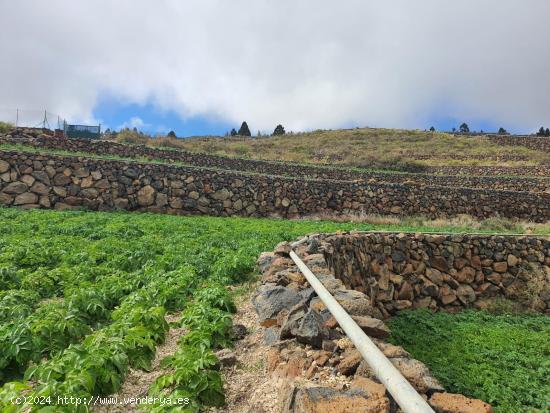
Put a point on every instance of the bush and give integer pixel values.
(5, 127)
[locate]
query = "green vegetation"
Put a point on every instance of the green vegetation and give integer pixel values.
(405, 150)
(5, 127)
(393, 149)
(83, 298)
(502, 359)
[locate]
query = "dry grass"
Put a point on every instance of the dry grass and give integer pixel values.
(408, 150)
(466, 223)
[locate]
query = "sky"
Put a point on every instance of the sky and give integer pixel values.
(201, 67)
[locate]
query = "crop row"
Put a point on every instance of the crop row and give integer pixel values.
(83, 298)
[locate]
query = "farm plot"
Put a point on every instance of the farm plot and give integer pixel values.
(83, 298)
(503, 359)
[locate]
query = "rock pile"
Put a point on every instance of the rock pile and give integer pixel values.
(318, 366)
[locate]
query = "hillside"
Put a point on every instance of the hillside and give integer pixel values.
(372, 148)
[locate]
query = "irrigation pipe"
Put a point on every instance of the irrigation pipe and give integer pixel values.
(403, 393)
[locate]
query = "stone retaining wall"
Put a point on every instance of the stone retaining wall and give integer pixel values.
(309, 355)
(492, 170)
(40, 140)
(451, 272)
(538, 143)
(34, 180)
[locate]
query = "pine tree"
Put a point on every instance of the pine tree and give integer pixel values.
(171, 134)
(233, 132)
(279, 130)
(547, 132)
(464, 128)
(243, 130)
(432, 129)
(502, 131)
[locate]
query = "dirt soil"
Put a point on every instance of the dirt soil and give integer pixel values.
(137, 382)
(247, 385)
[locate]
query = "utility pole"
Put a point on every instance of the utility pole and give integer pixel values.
(45, 120)
(16, 118)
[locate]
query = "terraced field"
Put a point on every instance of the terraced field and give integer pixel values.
(84, 296)
(87, 298)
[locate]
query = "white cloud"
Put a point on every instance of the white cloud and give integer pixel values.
(134, 122)
(303, 63)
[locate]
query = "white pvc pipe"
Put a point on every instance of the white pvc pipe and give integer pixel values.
(403, 393)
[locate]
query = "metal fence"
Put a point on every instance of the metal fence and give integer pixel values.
(32, 118)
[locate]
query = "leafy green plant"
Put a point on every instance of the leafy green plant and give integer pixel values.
(98, 285)
(502, 359)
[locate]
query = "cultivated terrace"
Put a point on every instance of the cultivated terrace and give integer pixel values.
(192, 303)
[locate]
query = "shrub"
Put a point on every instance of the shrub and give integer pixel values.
(5, 127)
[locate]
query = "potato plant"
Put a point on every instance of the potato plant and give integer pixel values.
(83, 297)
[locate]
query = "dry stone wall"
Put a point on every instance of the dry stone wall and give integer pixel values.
(451, 272)
(41, 140)
(33, 180)
(308, 354)
(538, 143)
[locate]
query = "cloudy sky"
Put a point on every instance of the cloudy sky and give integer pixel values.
(203, 66)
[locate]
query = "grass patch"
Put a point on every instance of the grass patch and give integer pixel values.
(503, 359)
(403, 150)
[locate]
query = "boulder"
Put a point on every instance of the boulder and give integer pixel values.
(372, 326)
(221, 195)
(28, 180)
(4, 166)
(90, 193)
(417, 374)
(350, 362)
(466, 294)
(457, 403)
(162, 199)
(270, 300)
(146, 196)
(40, 188)
(264, 261)
(291, 323)
(283, 249)
(103, 184)
(466, 275)
(500, 266)
(121, 203)
(317, 399)
(311, 329)
(61, 180)
(5, 199)
(512, 260)
(25, 198)
(82, 173)
(354, 302)
(16, 188)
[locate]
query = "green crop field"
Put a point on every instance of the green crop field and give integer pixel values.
(83, 298)
(502, 359)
